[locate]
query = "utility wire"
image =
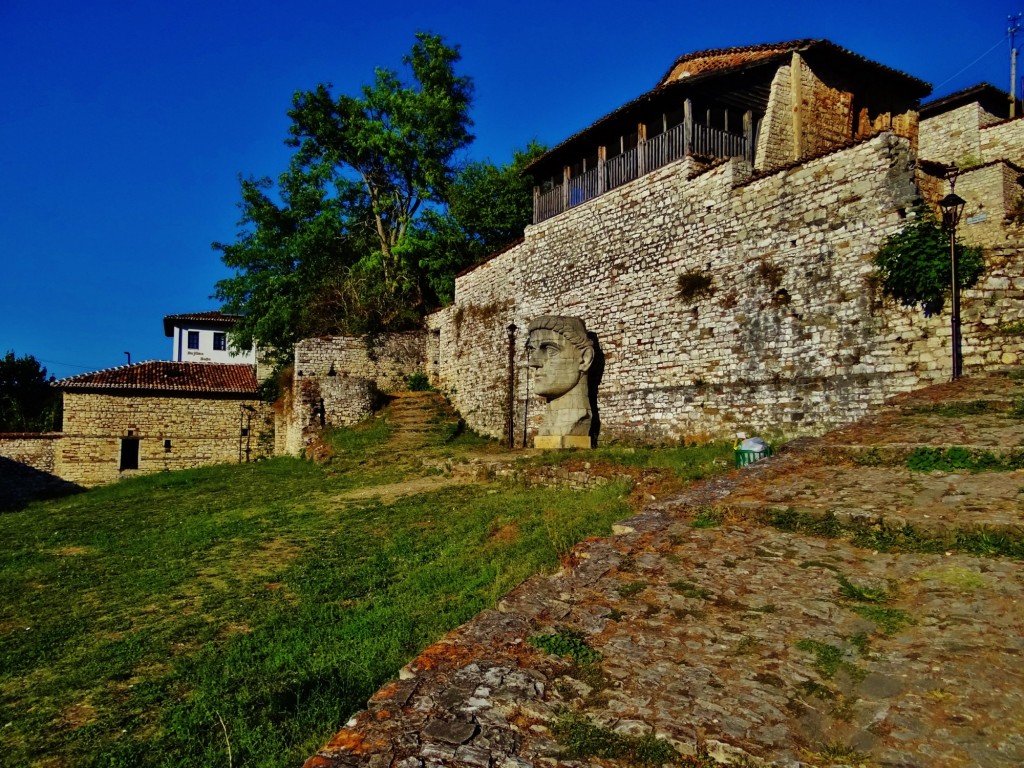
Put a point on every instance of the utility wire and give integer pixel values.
(986, 53)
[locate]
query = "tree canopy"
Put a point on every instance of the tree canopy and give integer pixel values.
(914, 264)
(27, 401)
(374, 215)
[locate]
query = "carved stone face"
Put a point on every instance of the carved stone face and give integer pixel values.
(557, 363)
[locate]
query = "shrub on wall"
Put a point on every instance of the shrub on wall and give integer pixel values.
(914, 265)
(695, 285)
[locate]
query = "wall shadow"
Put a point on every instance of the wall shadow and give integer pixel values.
(21, 484)
(594, 376)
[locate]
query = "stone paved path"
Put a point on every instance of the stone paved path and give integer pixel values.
(745, 644)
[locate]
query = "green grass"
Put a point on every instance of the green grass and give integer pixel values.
(569, 643)
(135, 618)
(687, 463)
(583, 739)
(975, 540)
(957, 458)
(707, 517)
(955, 410)
(828, 659)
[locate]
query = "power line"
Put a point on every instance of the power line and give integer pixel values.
(986, 53)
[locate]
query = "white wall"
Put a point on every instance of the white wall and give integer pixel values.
(206, 353)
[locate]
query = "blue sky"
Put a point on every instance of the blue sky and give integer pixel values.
(125, 125)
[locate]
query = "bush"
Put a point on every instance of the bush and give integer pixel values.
(418, 382)
(914, 264)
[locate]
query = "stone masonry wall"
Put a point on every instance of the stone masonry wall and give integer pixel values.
(35, 450)
(955, 136)
(385, 359)
(775, 136)
(27, 462)
(794, 338)
(317, 402)
(201, 431)
(337, 378)
(1002, 140)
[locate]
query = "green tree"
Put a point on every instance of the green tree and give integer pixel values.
(334, 251)
(285, 253)
(914, 264)
(399, 140)
(28, 402)
(489, 206)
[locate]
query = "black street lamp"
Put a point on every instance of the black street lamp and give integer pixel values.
(952, 206)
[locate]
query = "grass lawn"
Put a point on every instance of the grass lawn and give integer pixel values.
(237, 615)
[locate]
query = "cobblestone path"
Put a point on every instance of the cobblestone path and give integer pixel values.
(756, 619)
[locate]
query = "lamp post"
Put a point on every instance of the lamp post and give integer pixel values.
(952, 206)
(511, 393)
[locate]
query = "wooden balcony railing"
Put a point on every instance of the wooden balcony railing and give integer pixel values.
(669, 146)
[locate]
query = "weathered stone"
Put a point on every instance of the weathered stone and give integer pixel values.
(450, 731)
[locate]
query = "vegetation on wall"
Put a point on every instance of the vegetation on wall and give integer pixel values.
(695, 285)
(914, 264)
(366, 228)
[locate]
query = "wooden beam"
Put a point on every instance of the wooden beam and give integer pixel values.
(748, 134)
(602, 154)
(687, 126)
(565, 188)
(641, 140)
(536, 203)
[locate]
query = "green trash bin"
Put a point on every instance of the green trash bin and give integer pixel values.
(746, 456)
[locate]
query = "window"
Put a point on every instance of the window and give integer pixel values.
(193, 339)
(167, 446)
(129, 453)
(220, 341)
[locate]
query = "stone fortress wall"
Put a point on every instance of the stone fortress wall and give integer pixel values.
(795, 336)
(200, 432)
(336, 380)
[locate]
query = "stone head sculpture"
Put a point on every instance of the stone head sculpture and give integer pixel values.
(561, 353)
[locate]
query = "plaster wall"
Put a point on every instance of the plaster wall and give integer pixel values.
(206, 353)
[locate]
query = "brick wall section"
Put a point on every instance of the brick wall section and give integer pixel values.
(794, 339)
(826, 112)
(826, 118)
(202, 430)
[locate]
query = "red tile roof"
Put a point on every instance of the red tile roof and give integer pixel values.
(728, 58)
(215, 317)
(159, 376)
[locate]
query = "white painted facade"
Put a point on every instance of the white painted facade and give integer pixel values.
(205, 341)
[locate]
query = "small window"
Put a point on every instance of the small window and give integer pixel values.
(167, 446)
(245, 431)
(193, 339)
(129, 453)
(220, 341)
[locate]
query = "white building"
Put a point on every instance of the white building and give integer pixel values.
(202, 337)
